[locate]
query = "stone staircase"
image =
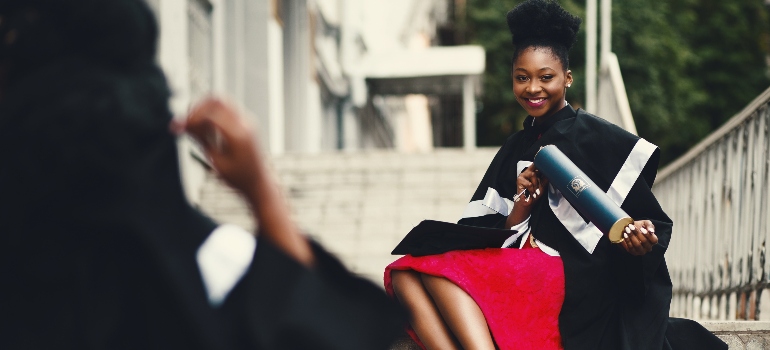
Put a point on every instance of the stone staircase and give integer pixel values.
(360, 205)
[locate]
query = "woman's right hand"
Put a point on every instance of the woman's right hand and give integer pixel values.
(533, 184)
(228, 141)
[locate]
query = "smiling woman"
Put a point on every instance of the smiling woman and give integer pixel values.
(557, 282)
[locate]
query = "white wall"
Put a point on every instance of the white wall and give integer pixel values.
(236, 50)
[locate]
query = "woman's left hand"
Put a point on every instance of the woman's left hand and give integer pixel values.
(639, 237)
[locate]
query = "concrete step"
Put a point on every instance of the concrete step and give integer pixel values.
(360, 205)
(739, 335)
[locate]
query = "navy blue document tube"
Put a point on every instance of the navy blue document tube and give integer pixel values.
(582, 193)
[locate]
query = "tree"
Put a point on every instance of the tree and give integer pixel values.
(688, 65)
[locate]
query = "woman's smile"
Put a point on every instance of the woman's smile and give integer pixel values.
(536, 102)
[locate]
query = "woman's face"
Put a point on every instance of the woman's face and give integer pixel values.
(540, 81)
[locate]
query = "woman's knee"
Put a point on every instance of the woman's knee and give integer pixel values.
(404, 279)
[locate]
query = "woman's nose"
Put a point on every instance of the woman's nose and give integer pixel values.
(534, 87)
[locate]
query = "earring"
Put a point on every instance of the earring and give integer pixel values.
(568, 85)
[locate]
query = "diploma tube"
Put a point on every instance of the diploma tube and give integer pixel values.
(582, 193)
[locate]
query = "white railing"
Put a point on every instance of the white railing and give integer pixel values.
(612, 103)
(717, 196)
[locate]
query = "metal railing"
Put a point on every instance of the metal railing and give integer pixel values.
(717, 196)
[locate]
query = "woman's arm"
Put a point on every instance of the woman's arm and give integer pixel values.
(233, 150)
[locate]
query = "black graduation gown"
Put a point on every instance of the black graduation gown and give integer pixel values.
(98, 243)
(612, 300)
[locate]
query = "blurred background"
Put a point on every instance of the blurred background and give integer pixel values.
(382, 113)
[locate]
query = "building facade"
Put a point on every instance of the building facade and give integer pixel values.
(299, 69)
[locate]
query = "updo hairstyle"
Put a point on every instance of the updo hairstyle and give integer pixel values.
(543, 24)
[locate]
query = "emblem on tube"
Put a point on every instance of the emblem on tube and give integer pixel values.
(577, 185)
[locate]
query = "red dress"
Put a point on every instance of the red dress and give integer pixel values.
(520, 291)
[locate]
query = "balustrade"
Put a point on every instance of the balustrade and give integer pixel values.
(717, 196)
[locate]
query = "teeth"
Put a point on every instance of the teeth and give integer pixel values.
(537, 101)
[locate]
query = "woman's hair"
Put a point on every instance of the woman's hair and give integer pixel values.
(543, 23)
(118, 33)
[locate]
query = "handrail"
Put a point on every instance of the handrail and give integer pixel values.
(718, 196)
(731, 124)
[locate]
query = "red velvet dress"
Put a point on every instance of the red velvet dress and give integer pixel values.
(520, 291)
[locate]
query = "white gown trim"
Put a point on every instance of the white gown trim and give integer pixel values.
(586, 233)
(223, 259)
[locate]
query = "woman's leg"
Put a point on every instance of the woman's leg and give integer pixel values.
(423, 314)
(460, 312)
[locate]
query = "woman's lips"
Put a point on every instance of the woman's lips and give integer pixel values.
(535, 102)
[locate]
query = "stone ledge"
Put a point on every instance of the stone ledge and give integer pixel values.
(720, 327)
(739, 335)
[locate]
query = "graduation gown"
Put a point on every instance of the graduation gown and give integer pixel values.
(613, 300)
(98, 244)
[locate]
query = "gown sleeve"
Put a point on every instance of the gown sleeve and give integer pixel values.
(280, 304)
(491, 203)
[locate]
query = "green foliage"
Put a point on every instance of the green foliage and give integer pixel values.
(688, 65)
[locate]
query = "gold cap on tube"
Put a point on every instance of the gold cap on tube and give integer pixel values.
(616, 231)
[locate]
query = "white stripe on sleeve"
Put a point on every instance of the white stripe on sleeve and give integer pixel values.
(223, 259)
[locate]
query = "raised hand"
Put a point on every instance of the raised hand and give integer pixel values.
(233, 150)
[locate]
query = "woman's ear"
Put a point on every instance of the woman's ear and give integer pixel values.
(568, 80)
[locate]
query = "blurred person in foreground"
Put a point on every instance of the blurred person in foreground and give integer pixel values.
(99, 248)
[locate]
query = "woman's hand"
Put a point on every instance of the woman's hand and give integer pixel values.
(228, 142)
(639, 237)
(232, 148)
(533, 184)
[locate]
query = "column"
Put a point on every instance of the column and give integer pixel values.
(469, 114)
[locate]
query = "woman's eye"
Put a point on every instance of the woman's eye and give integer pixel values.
(522, 78)
(546, 77)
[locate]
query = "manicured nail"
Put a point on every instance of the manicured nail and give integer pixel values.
(652, 229)
(534, 195)
(625, 235)
(537, 191)
(628, 230)
(643, 230)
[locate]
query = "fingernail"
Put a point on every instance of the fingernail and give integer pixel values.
(628, 230)
(652, 229)
(534, 195)
(643, 230)
(537, 191)
(625, 235)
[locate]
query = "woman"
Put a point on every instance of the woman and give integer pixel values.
(99, 248)
(567, 286)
